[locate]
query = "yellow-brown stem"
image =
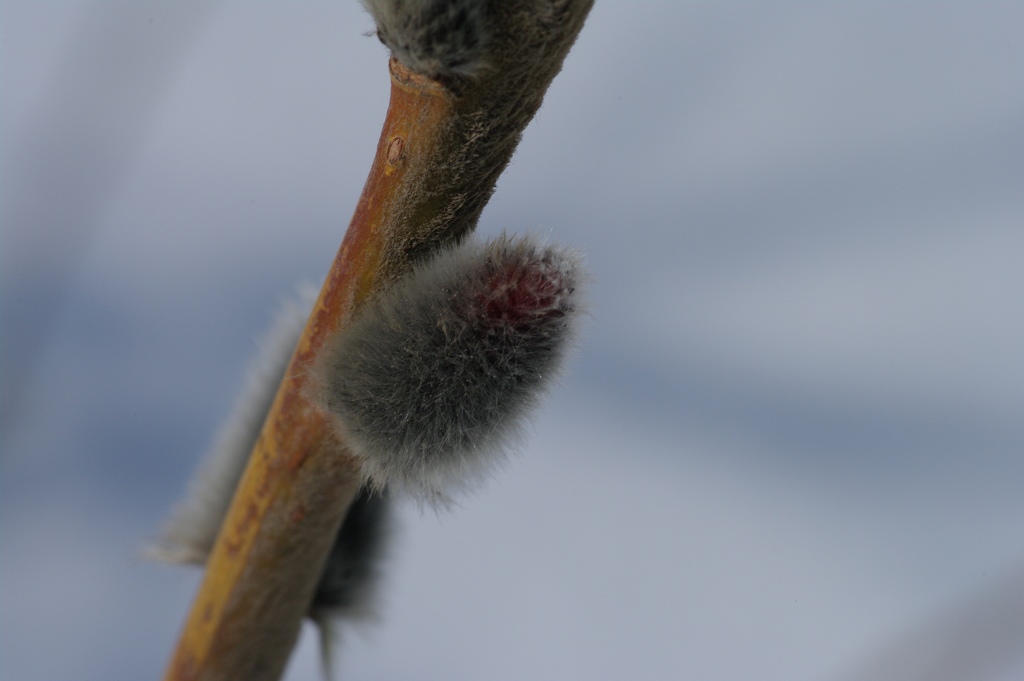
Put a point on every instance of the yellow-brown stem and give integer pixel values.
(440, 153)
(300, 480)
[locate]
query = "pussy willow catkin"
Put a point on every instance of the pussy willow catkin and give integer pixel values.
(430, 382)
(437, 38)
(347, 588)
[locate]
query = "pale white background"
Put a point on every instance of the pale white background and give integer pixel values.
(790, 448)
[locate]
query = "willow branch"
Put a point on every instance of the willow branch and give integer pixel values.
(443, 145)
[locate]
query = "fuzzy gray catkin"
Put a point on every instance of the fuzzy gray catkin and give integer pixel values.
(346, 591)
(431, 380)
(437, 38)
(192, 529)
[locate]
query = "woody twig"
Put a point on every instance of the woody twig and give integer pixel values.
(466, 78)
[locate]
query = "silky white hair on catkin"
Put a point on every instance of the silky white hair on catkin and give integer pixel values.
(192, 529)
(430, 382)
(436, 38)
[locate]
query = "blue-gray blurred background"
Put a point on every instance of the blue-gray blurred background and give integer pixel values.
(791, 446)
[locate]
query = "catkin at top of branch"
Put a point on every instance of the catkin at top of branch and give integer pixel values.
(436, 38)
